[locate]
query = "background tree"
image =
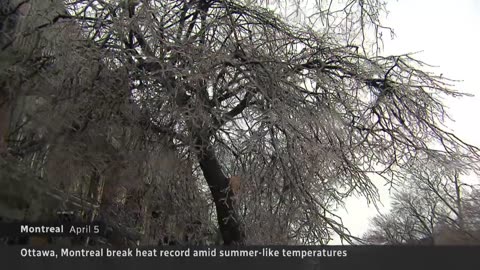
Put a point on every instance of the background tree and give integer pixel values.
(430, 209)
(304, 113)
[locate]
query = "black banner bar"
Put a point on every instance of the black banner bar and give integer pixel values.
(246, 258)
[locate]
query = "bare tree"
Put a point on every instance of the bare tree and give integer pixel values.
(428, 209)
(12, 14)
(304, 114)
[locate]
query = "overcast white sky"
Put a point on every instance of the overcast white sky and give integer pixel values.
(447, 35)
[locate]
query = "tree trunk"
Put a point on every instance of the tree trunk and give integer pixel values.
(230, 227)
(458, 201)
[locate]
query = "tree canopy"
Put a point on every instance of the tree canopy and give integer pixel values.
(300, 110)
